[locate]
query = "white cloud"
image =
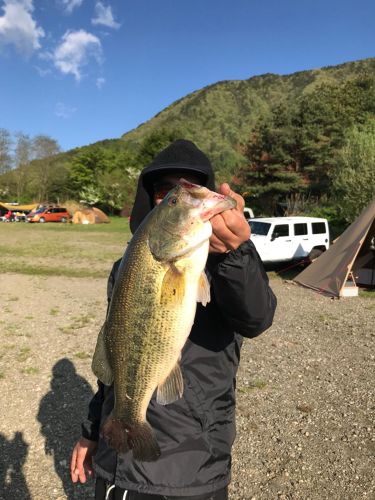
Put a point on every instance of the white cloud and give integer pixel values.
(104, 16)
(18, 28)
(70, 5)
(75, 51)
(63, 110)
(42, 72)
(100, 82)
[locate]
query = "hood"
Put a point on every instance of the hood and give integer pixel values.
(179, 157)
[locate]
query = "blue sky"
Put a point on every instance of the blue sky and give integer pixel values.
(86, 70)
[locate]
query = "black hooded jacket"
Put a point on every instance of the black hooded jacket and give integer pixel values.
(196, 432)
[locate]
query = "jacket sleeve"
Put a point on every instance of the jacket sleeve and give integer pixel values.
(241, 290)
(90, 427)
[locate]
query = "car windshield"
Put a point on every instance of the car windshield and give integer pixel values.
(260, 228)
(39, 211)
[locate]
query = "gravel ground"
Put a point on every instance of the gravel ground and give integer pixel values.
(305, 392)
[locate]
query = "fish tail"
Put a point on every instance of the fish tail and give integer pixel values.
(138, 437)
(143, 442)
(115, 432)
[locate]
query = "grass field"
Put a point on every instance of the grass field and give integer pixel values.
(55, 249)
(78, 250)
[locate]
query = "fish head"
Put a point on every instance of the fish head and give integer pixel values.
(180, 223)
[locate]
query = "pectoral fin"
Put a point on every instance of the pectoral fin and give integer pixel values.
(100, 364)
(173, 287)
(172, 387)
(204, 294)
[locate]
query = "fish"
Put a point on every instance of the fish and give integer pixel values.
(159, 282)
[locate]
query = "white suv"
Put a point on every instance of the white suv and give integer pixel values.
(248, 213)
(280, 239)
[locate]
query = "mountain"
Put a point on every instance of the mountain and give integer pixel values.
(273, 135)
(221, 116)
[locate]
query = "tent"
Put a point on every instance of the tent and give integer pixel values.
(90, 216)
(350, 260)
(18, 208)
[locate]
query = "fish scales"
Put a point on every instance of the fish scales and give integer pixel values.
(131, 338)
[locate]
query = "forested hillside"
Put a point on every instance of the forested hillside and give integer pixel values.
(304, 141)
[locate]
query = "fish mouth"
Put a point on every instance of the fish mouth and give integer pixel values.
(214, 204)
(211, 203)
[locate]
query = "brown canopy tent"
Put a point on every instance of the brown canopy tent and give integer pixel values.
(90, 216)
(350, 260)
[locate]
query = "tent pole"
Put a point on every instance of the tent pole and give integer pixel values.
(372, 248)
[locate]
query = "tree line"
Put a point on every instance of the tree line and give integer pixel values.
(17, 152)
(103, 174)
(316, 152)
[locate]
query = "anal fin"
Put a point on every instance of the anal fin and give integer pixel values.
(172, 388)
(204, 294)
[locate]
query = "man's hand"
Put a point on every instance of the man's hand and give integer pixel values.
(82, 455)
(230, 228)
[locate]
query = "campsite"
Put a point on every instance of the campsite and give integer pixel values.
(350, 261)
(105, 106)
(305, 390)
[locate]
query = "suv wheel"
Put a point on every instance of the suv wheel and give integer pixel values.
(63, 219)
(314, 254)
(42, 219)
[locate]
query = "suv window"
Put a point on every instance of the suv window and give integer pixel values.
(318, 227)
(300, 229)
(261, 228)
(281, 230)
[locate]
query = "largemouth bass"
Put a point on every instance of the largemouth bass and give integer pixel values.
(160, 280)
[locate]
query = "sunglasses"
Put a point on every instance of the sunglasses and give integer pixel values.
(161, 189)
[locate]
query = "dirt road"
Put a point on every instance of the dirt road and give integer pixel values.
(305, 393)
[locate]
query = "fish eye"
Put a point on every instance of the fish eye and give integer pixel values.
(172, 201)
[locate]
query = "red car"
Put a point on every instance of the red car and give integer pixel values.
(45, 214)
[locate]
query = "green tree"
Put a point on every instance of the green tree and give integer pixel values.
(154, 143)
(353, 178)
(5, 156)
(104, 177)
(117, 189)
(44, 169)
(22, 157)
(325, 114)
(85, 169)
(273, 168)
(293, 148)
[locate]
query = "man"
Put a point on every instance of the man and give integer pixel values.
(196, 432)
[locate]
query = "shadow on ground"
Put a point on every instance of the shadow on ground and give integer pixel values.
(61, 411)
(286, 270)
(13, 453)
